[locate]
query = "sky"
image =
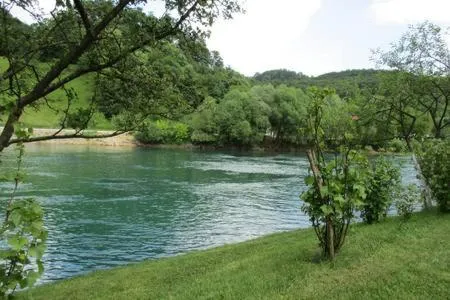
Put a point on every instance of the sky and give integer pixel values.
(311, 36)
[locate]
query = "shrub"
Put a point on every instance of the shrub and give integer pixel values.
(22, 234)
(335, 190)
(406, 200)
(434, 160)
(397, 145)
(381, 181)
(200, 137)
(163, 132)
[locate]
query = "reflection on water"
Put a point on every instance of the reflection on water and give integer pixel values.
(109, 206)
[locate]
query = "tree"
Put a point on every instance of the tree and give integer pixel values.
(396, 107)
(102, 37)
(424, 53)
(94, 36)
(336, 186)
(288, 113)
(161, 82)
(242, 119)
(279, 76)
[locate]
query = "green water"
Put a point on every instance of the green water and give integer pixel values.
(110, 206)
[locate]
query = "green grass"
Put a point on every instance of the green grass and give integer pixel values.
(43, 116)
(390, 260)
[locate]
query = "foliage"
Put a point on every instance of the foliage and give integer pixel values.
(21, 260)
(336, 187)
(395, 108)
(338, 124)
(165, 81)
(240, 119)
(163, 132)
(331, 206)
(406, 200)
(103, 38)
(204, 127)
(396, 145)
(423, 53)
(434, 160)
(276, 77)
(23, 237)
(347, 84)
(288, 111)
(382, 180)
(14, 34)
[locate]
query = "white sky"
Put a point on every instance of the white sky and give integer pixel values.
(311, 36)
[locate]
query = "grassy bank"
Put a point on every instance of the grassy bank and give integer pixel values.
(44, 116)
(391, 260)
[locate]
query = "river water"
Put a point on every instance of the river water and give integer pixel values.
(111, 206)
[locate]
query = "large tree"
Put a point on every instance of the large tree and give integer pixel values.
(423, 52)
(84, 37)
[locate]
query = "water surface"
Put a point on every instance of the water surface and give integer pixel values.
(110, 206)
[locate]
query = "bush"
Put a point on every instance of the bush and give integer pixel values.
(397, 145)
(382, 180)
(434, 160)
(332, 198)
(22, 234)
(406, 200)
(163, 132)
(200, 137)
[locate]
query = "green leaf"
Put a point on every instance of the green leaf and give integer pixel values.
(324, 191)
(339, 199)
(326, 209)
(17, 242)
(309, 180)
(15, 217)
(360, 191)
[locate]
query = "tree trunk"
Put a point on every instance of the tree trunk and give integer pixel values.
(330, 239)
(8, 130)
(428, 197)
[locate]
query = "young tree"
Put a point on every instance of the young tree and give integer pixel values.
(336, 186)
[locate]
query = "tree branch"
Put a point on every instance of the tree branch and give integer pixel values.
(75, 135)
(84, 17)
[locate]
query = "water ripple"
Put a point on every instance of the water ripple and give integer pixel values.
(108, 208)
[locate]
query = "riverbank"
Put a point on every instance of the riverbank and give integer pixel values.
(126, 139)
(390, 260)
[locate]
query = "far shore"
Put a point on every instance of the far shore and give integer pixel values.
(126, 139)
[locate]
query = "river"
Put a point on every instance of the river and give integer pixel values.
(107, 206)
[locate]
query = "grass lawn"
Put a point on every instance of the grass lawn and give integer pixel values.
(43, 116)
(390, 260)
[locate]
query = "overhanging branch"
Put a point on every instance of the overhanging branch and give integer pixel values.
(76, 135)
